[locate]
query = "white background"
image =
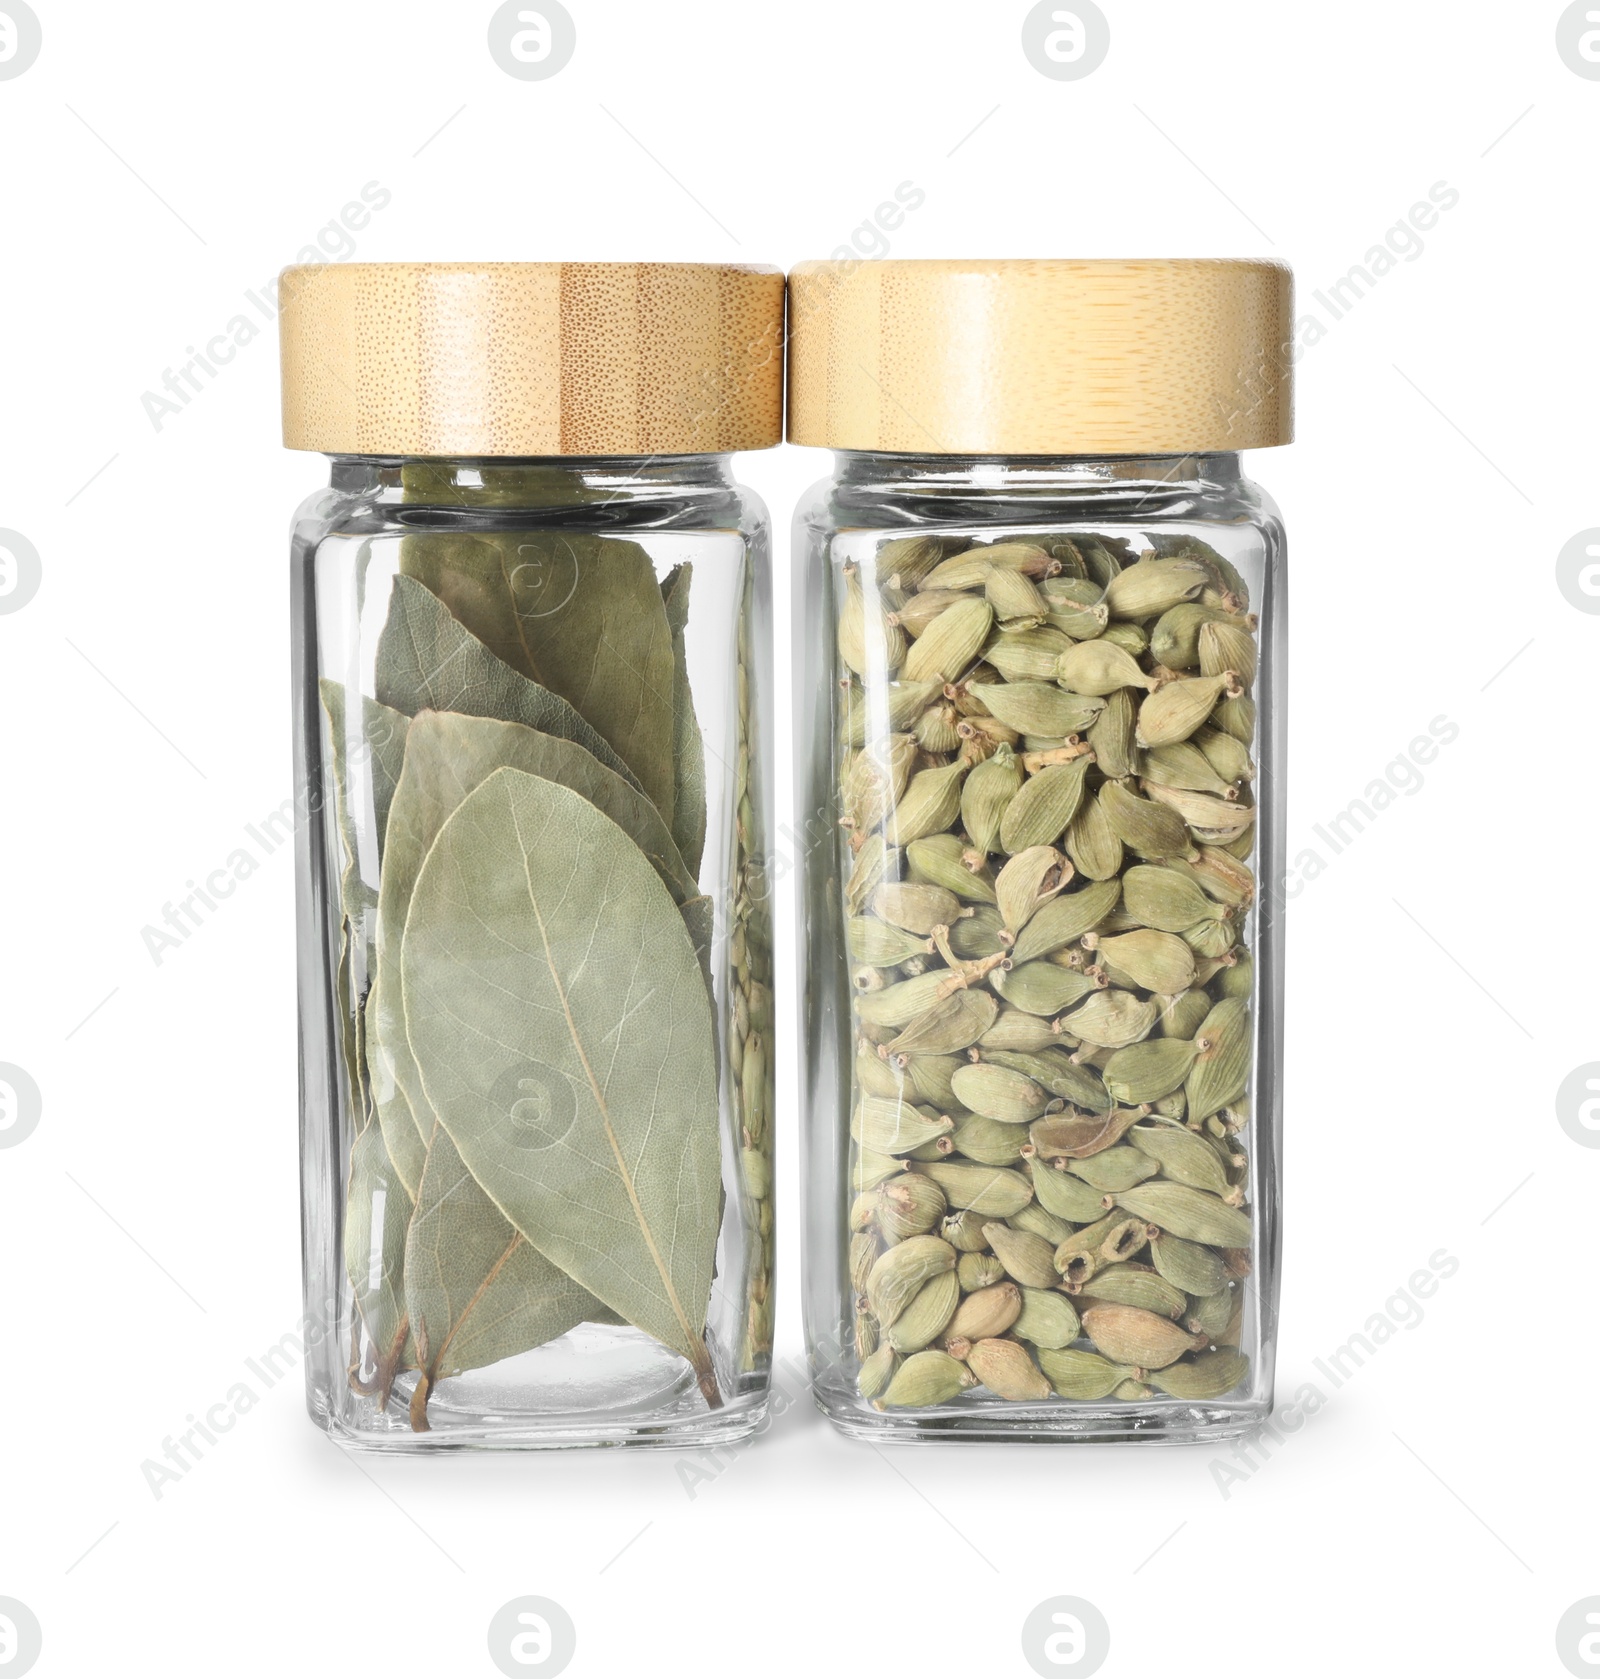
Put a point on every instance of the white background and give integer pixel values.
(1436, 1513)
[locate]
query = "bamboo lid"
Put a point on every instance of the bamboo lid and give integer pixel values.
(532, 358)
(1153, 356)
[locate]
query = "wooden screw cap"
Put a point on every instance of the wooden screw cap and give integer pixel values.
(532, 358)
(1155, 356)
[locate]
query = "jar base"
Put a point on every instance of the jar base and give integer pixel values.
(737, 1420)
(1168, 1422)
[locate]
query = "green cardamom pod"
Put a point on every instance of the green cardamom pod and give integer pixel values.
(909, 1205)
(1098, 667)
(926, 1379)
(977, 934)
(1064, 1196)
(1169, 902)
(1110, 1241)
(1083, 1375)
(989, 1142)
(1037, 1222)
(1147, 1071)
(902, 1002)
(1210, 938)
(1005, 1368)
(1208, 1376)
(1150, 587)
(1183, 765)
(1065, 919)
(1037, 708)
(1129, 1335)
(1042, 988)
(876, 1372)
(1055, 1071)
(889, 1127)
(1238, 979)
(864, 1251)
(1182, 1015)
(935, 731)
(1028, 882)
(871, 1169)
(924, 1319)
(1195, 1269)
(1155, 961)
(1222, 1062)
(997, 1192)
(975, 1271)
(970, 569)
(1047, 1319)
(944, 860)
(1000, 1094)
(931, 802)
(919, 611)
(914, 906)
(952, 1024)
(951, 642)
(987, 1311)
(1228, 648)
(1114, 1168)
(1135, 1285)
(1191, 1213)
(1147, 828)
(877, 776)
(1229, 757)
(881, 946)
(900, 1273)
(1111, 735)
(1027, 655)
(1175, 636)
(1026, 1257)
(963, 1230)
(1017, 1030)
(1176, 709)
(1110, 1019)
(988, 791)
(1236, 716)
(1210, 1314)
(1014, 596)
(929, 1077)
(868, 643)
(895, 707)
(1183, 1156)
(1077, 1136)
(906, 560)
(1211, 819)
(873, 861)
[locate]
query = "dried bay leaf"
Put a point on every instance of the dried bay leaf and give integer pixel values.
(579, 614)
(565, 1041)
(476, 1291)
(429, 662)
(447, 756)
(378, 1210)
(379, 751)
(688, 750)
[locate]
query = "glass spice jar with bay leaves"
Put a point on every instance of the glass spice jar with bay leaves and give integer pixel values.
(1040, 612)
(532, 622)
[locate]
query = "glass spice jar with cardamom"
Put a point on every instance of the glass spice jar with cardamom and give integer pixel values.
(1040, 620)
(531, 643)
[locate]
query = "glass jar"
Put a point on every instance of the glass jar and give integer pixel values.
(1041, 767)
(531, 643)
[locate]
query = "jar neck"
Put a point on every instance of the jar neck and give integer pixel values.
(944, 488)
(1045, 475)
(534, 483)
